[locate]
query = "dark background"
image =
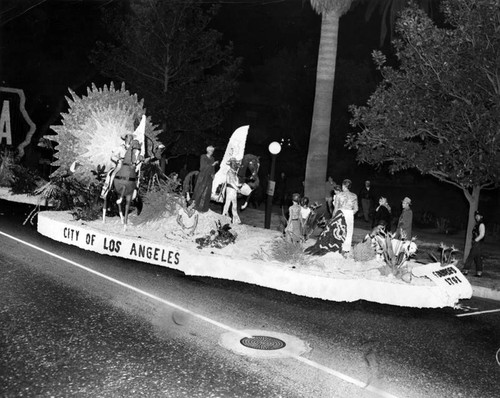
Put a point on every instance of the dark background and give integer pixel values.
(44, 48)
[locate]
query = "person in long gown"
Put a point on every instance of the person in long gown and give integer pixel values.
(203, 187)
(347, 203)
(293, 229)
(331, 238)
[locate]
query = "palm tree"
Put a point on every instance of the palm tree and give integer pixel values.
(331, 11)
(317, 155)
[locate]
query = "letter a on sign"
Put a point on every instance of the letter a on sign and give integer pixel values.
(16, 127)
(5, 130)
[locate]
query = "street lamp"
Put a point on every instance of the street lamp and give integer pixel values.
(274, 149)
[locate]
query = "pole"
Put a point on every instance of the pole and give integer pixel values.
(270, 193)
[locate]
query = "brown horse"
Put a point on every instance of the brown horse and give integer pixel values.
(248, 175)
(125, 178)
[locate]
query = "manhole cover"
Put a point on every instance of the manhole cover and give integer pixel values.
(263, 343)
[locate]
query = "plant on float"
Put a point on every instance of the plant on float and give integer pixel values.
(396, 254)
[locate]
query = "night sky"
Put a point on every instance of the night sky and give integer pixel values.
(45, 47)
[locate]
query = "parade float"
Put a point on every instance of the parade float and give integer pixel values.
(162, 229)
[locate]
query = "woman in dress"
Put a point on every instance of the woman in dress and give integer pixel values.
(203, 187)
(293, 230)
(337, 235)
(347, 203)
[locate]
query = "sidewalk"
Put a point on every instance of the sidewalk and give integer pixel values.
(428, 241)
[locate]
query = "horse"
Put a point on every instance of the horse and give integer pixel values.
(248, 176)
(124, 178)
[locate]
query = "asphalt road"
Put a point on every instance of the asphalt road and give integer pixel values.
(74, 323)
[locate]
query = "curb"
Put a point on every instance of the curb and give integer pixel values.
(485, 293)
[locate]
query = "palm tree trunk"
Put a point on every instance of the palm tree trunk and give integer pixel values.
(317, 156)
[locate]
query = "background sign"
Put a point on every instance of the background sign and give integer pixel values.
(16, 127)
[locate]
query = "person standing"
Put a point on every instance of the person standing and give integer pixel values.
(476, 253)
(367, 199)
(281, 190)
(405, 222)
(203, 187)
(347, 203)
(336, 190)
(382, 214)
(293, 230)
(329, 185)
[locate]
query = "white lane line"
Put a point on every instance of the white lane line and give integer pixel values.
(178, 307)
(344, 377)
(306, 361)
(478, 313)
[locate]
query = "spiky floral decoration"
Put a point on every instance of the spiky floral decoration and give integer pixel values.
(93, 128)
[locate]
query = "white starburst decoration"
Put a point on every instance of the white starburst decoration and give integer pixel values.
(94, 126)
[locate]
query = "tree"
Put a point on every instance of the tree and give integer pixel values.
(319, 139)
(317, 153)
(439, 111)
(166, 52)
(390, 9)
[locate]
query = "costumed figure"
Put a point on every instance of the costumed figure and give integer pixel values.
(203, 187)
(187, 218)
(476, 253)
(293, 230)
(125, 176)
(405, 221)
(305, 211)
(235, 149)
(233, 185)
(247, 183)
(331, 238)
(347, 203)
(310, 218)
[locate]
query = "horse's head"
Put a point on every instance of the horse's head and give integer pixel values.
(253, 164)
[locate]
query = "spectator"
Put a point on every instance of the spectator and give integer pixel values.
(382, 214)
(281, 190)
(403, 230)
(367, 199)
(476, 253)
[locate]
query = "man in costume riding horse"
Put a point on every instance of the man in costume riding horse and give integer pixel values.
(124, 177)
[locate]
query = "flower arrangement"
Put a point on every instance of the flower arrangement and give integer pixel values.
(217, 238)
(396, 254)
